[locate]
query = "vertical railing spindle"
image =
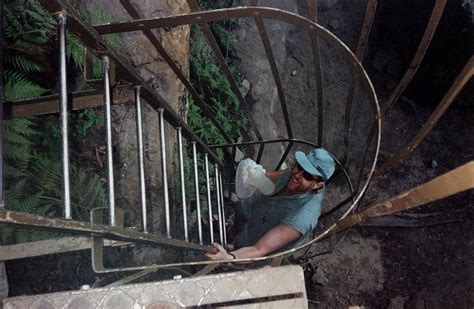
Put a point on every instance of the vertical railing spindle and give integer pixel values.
(183, 186)
(219, 211)
(164, 172)
(209, 203)
(196, 187)
(223, 208)
(141, 166)
(108, 126)
(63, 114)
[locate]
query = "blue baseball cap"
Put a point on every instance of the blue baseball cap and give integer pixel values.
(318, 163)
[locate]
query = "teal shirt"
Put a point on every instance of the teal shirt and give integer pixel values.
(263, 213)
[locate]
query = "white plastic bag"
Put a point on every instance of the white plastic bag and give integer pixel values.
(251, 176)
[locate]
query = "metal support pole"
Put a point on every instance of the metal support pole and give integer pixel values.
(209, 203)
(141, 166)
(223, 207)
(63, 114)
(164, 172)
(196, 187)
(313, 16)
(108, 126)
(183, 186)
(219, 210)
(2, 99)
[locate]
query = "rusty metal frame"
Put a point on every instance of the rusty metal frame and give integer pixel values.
(133, 12)
(313, 16)
(360, 50)
(225, 68)
(88, 73)
(465, 75)
(430, 29)
(16, 218)
(2, 100)
(97, 248)
(436, 14)
(260, 12)
(77, 101)
(262, 30)
(284, 155)
(94, 41)
(455, 181)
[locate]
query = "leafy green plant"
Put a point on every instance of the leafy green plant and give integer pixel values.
(85, 120)
(209, 80)
(33, 177)
(95, 14)
(34, 181)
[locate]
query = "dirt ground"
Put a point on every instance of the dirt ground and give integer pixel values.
(418, 265)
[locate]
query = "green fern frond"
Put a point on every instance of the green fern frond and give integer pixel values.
(23, 63)
(48, 174)
(21, 89)
(14, 193)
(75, 50)
(25, 47)
(14, 172)
(31, 203)
(21, 126)
(17, 154)
(18, 138)
(86, 193)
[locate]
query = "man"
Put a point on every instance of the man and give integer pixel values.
(282, 220)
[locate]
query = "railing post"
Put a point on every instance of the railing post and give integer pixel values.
(141, 166)
(209, 203)
(223, 208)
(183, 185)
(61, 21)
(219, 210)
(196, 187)
(164, 172)
(2, 99)
(108, 126)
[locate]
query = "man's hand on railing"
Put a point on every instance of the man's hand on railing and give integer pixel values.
(221, 254)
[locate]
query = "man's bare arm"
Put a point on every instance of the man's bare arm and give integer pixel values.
(278, 237)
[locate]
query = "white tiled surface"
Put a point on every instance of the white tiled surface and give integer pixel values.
(182, 293)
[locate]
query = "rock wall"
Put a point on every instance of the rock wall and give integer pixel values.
(293, 54)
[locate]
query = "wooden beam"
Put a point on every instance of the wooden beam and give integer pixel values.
(51, 246)
(77, 101)
(455, 181)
